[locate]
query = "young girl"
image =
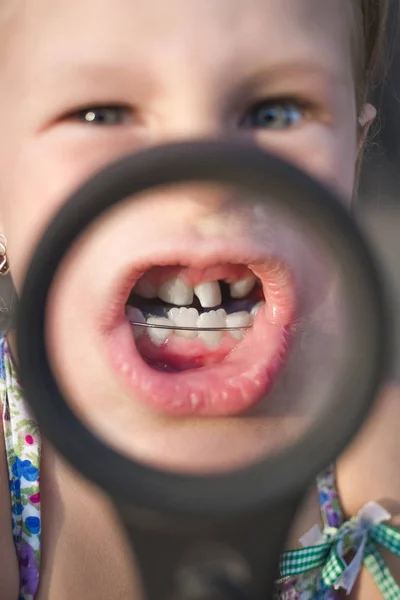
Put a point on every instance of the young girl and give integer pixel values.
(83, 83)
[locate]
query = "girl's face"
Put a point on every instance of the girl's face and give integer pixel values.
(84, 83)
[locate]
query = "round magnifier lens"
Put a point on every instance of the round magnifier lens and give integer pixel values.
(232, 326)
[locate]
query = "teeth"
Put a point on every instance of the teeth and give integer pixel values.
(240, 289)
(159, 336)
(136, 316)
(256, 308)
(175, 291)
(239, 319)
(184, 317)
(145, 289)
(214, 318)
(209, 294)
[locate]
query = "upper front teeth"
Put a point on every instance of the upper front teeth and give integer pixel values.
(240, 289)
(175, 291)
(209, 294)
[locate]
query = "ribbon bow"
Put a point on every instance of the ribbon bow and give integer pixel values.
(358, 536)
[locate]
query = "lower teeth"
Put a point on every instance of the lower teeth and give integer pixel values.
(161, 322)
(169, 312)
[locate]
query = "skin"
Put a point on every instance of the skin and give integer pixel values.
(141, 55)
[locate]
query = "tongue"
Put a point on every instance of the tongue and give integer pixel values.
(179, 354)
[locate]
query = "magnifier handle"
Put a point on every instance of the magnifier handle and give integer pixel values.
(236, 559)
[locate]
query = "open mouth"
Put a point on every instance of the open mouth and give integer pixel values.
(191, 327)
(205, 341)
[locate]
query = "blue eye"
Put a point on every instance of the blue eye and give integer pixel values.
(103, 115)
(272, 115)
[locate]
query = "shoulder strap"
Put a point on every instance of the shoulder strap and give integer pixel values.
(331, 510)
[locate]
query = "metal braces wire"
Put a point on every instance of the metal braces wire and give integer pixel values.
(179, 328)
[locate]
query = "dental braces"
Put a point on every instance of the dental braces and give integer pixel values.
(180, 328)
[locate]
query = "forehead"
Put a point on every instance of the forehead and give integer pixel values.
(201, 33)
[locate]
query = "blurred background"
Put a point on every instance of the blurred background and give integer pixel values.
(378, 202)
(381, 175)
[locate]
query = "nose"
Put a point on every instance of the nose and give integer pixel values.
(191, 108)
(186, 123)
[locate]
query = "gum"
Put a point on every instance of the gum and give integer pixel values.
(181, 353)
(160, 274)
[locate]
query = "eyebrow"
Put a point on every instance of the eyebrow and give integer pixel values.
(94, 71)
(94, 75)
(299, 68)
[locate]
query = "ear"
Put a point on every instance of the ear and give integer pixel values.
(365, 120)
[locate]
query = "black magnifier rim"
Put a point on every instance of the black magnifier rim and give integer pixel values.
(275, 477)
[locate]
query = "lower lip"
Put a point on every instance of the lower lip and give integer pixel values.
(238, 383)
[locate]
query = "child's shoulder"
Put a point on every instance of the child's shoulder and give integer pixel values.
(369, 471)
(365, 476)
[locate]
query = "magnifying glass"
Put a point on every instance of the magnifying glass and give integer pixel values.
(297, 356)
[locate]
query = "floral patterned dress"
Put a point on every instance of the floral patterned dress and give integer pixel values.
(313, 572)
(22, 440)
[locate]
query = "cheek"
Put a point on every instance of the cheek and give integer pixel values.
(327, 154)
(34, 186)
(36, 179)
(34, 198)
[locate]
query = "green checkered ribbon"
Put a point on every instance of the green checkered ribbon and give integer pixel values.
(359, 537)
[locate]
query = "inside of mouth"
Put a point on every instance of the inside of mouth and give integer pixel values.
(192, 318)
